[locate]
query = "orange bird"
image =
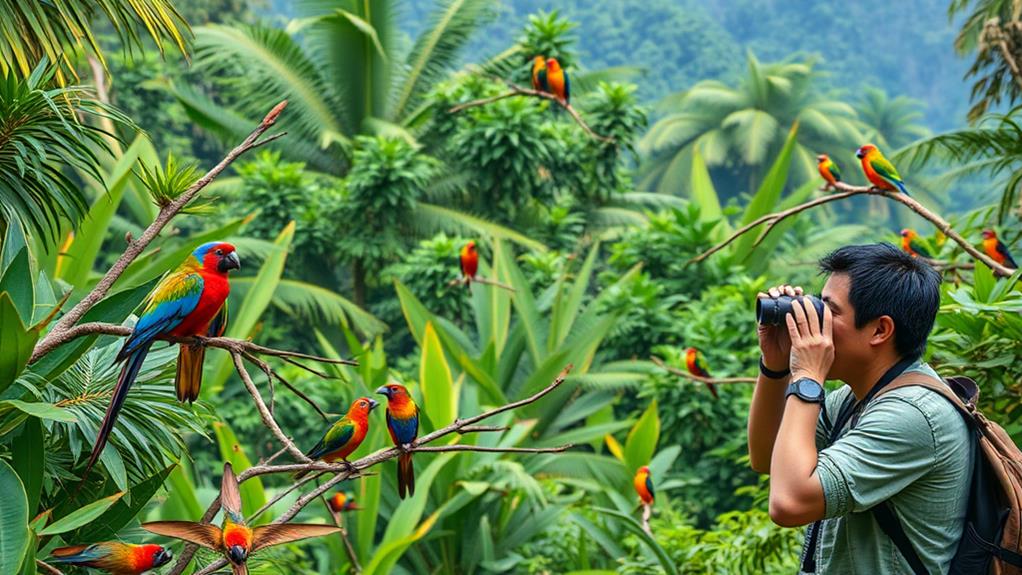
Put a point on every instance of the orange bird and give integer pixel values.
(113, 557)
(558, 81)
(996, 249)
(697, 366)
(345, 435)
(341, 502)
(912, 244)
(879, 170)
(469, 262)
(539, 82)
(235, 539)
(403, 424)
(828, 169)
(644, 485)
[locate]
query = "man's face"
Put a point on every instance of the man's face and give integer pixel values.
(852, 347)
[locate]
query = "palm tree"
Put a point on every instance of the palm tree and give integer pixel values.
(993, 30)
(742, 128)
(890, 123)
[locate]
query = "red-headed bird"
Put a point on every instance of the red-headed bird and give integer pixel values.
(403, 424)
(914, 245)
(996, 249)
(188, 301)
(345, 435)
(644, 485)
(697, 366)
(113, 557)
(828, 169)
(235, 539)
(539, 82)
(558, 81)
(469, 262)
(342, 502)
(879, 170)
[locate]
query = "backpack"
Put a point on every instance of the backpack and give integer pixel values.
(991, 542)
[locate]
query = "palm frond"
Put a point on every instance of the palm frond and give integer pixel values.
(318, 304)
(434, 218)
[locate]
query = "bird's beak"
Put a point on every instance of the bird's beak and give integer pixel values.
(162, 558)
(230, 262)
(372, 404)
(383, 390)
(237, 554)
(859, 154)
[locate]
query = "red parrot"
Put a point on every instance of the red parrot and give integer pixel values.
(345, 435)
(235, 539)
(697, 366)
(828, 169)
(644, 485)
(558, 81)
(403, 424)
(113, 557)
(341, 502)
(879, 170)
(913, 245)
(996, 249)
(188, 301)
(539, 82)
(469, 262)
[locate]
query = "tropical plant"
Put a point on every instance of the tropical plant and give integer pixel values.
(991, 29)
(890, 123)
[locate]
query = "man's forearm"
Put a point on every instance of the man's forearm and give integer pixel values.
(765, 420)
(796, 494)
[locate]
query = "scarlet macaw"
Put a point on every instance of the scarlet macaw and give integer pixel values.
(113, 557)
(403, 424)
(996, 249)
(879, 171)
(697, 366)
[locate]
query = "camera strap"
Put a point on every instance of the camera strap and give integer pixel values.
(850, 409)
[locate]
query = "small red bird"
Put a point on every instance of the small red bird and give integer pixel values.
(469, 262)
(828, 169)
(644, 485)
(113, 557)
(996, 249)
(697, 366)
(342, 502)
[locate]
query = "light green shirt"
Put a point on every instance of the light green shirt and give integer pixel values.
(910, 447)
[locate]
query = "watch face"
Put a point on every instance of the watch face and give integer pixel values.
(809, 389)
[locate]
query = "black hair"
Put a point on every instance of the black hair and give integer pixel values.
(884, 280)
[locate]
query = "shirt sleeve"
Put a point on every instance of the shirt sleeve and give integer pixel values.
(892, 445)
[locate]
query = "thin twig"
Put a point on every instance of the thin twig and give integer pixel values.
(274, 375)
(517, 90)
(47, 567)
(712, 380)
(647, 512)
(137, 246)
(264, 413)
(457, 447)
(482, 428)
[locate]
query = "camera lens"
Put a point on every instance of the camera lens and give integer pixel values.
(771, 311)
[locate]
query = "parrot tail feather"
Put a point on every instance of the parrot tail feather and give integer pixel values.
(713, 390)
(405, 476)
(189, 372)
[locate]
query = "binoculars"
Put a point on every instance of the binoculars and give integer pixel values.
(771, 310)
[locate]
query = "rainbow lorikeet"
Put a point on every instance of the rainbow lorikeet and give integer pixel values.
(403, 424)
(879, 170)
(696, 365)
(345, 435)
(828, 169)
(539, 82)
(341, 502)
(188, 301)
(996, 249)
(235, 539)
(644, 485)
(914, 245)
(113, 557)
(558, 81)
(469, 262)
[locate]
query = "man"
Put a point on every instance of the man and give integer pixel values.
(908, 448)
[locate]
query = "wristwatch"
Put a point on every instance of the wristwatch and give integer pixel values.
(806, 389)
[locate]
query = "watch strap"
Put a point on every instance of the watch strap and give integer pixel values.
(771, 373)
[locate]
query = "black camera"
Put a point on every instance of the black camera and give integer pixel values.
(771, 310)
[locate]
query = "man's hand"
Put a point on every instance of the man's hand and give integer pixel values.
(812, 347)
(774, 342)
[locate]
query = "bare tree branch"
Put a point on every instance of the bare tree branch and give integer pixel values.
(264, 413)
(647, 512)
(713, 380)
(46, 567)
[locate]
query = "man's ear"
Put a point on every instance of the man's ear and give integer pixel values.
(883, 331)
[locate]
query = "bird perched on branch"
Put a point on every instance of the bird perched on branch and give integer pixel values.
(696, 365)
(539, 81)
(914, 245)
(557, 80)
(188, 301)
(342, 502)
(828, 169)
(403, 424)
(996, 249)
(113, 557)
(469, 262)
(235, 539)
(643, 483)
(879, 170)
(345, 435)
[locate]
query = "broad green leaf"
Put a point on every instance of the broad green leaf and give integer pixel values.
(439, 395)
(642, 439)
(763, 253)
(387, 554)
(565, 308)
(182, 504)
(243, 322)
(632, 525)
(17, 281)
(82, 516)
(768, 195)
(123, 510)
(984, 281)
(27, 449)
(14, 532)
(39, 409)
(523, 300)
(701, 189)
(253, 496)
(18, 342)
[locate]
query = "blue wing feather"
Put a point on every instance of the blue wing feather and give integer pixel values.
(160, 317)
(335, 438)
(405, 430)
(649, 486)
